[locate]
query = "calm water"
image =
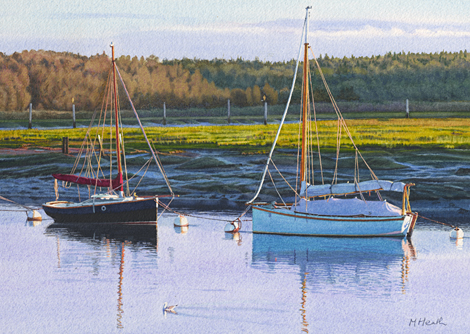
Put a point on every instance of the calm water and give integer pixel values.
(115, 279)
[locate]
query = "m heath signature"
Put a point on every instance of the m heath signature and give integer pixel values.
(424, 322)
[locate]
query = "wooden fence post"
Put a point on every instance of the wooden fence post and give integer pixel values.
(265, 113)
(65, 145)
(228, 111)
(407, 110)
(164, 113)
(30, 125)
(74, 125)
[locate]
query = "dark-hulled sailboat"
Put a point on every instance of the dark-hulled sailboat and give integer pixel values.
(114, 204)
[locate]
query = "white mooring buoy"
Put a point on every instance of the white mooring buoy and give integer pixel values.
(456, 233)
(33, 215)
(181, 221)
(232, 227)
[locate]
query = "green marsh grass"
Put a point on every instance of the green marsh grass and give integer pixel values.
(446, 133)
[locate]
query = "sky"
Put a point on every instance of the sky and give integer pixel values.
(269, 30)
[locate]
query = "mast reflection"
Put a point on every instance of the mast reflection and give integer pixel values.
(303, 309)
(119, 305)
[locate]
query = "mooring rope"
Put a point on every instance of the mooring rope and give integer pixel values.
(438, 222)
(9, 200)
(194, 216)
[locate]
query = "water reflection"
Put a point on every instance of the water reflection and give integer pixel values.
(181, 229)
(303, 309)
(458, 242)
(234, 236)
(119, 306)
(112, 240)
(362, 265)
(139, 234)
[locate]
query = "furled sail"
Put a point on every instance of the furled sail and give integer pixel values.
(89, 181)
(309, 190)
(342, 207)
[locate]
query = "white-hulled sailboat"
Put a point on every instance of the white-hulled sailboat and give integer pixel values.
(317, 209)
(115, 204)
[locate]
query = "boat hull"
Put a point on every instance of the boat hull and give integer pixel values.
(270, 220)
(139, 210)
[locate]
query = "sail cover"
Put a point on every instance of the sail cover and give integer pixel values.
(347, 207)
(89, 181)
(309, 190)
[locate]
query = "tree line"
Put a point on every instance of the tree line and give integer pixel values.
(50, 80)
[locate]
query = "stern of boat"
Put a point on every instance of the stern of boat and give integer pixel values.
(413, 217)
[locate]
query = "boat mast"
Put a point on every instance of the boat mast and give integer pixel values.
(116, 119)
(303, 160)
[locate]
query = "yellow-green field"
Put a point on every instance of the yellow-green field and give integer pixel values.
(372, 133)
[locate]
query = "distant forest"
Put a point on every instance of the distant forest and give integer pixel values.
(49, 80)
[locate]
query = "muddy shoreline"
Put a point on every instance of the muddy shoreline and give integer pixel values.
(207, 180)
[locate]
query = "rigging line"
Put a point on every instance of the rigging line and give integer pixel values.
(148, 165)
(121, 141)
(338, 145)
(283, 116)
(244, 213)
(130, 178)
(165, 207)
(338, 112)
(343, 122)
(104, 107)
(145, 135)
(157, 155)
(275, 188)
(104, 123)
(295, 192)
(316, 131)
(297, 172)
(111, 106)
(357, 166)
(80, 152)
(309, 144)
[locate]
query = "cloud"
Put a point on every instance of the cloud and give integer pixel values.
(367, 29)
(81, 16)
(272, 40)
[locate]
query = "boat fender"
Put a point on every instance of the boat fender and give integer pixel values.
(456, 233)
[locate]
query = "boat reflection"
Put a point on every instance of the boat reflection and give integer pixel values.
(359, 264)
(114, 238)
(138, 234)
